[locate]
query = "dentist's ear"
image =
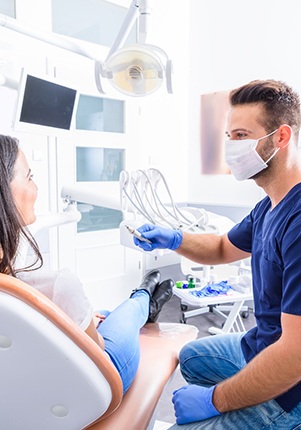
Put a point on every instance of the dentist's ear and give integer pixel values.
(285, 133)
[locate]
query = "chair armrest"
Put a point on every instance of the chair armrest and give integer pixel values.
(160, 346)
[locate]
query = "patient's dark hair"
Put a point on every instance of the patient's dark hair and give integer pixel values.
(11, 225)
(280, 103)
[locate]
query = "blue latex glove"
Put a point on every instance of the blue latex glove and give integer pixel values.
(193, 403)
(161, 238)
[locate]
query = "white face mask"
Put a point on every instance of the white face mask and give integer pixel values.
(243, 159)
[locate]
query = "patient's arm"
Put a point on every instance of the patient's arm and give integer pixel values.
(93, 333)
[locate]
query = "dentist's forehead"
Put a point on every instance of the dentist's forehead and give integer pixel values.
(244, 118)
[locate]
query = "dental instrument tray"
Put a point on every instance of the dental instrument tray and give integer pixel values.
(217, 293)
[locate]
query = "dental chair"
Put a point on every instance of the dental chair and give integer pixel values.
(55, 377)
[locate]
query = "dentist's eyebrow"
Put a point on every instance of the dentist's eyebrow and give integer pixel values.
(241, 129)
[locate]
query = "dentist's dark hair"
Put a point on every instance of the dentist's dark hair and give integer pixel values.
(280, 102)
(11, 224)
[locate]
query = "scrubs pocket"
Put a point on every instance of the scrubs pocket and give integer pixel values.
(271, 280)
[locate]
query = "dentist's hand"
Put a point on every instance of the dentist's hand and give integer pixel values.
(161, 238)
(193, 403)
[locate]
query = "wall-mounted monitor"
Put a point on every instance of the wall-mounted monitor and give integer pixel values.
(44, 105)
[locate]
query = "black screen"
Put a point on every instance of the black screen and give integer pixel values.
(46, 103)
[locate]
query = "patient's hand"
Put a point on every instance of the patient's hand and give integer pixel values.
(98, 318)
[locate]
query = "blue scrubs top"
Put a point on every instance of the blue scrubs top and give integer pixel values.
(274, 239)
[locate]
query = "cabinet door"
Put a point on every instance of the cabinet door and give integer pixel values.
(8, 8)
(89, 20)
(93, 159)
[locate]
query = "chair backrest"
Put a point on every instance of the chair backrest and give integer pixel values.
(53, 375)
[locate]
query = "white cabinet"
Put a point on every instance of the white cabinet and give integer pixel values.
(8, 8)
(94, 156)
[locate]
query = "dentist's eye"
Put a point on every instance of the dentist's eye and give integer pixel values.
(241, 136)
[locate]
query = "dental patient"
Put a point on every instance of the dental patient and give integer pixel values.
(116, 332)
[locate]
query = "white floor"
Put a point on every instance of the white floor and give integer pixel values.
(160, 425)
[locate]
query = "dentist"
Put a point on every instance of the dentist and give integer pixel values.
(251, 380)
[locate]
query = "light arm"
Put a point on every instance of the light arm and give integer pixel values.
(90, 195)
(125, 28)
(47, 37)
(137, 6)
(145, 11)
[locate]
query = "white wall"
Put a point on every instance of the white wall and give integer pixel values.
(233, 42)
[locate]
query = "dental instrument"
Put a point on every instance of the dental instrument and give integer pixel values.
(137, 234)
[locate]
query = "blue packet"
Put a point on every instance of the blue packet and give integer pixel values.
(211, 290)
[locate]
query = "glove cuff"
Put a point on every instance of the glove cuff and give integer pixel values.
(178, 237)
(211, 408)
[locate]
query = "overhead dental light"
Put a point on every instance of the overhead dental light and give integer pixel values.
(139, 69)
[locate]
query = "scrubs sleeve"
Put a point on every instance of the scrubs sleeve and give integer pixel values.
(241, 234)
(291, 281)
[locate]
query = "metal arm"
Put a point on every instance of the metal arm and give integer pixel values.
(137, 6)
(44, 36)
